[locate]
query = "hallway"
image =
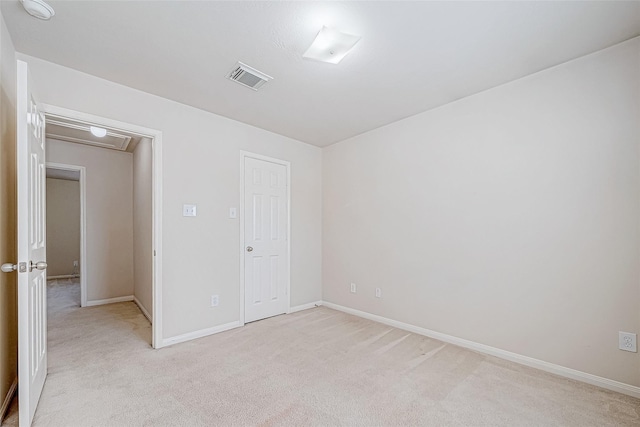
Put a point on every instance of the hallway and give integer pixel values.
(88, 350)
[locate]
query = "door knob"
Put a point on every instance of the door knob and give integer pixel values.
(249, 248)
(8, 267)
(40, 265)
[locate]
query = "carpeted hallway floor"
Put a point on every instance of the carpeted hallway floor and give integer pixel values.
(316, 367)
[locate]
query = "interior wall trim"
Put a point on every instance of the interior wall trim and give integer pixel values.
(63, 276)
(199, 334)
(142, 309)
(562, 371)
(156, 200)
(109, 300)
(8, 398)
(305, 306)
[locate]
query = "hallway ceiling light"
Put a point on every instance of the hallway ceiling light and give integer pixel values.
(99, 132)
(39, 9)
(331, 46)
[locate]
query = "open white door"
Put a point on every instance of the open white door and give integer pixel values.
(32, 283)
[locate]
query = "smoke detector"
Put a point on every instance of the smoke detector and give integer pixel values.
(38, 9)
(248, 76)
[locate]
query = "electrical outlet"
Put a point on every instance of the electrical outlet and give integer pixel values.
(188, 210)
(215, 300)
(353, 288)
(627, 342)
(378, 292)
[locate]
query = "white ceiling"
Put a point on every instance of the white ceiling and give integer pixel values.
(413, 56)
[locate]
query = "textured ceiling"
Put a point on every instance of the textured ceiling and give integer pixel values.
(413, 56)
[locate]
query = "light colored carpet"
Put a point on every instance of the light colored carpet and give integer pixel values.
(316, 367)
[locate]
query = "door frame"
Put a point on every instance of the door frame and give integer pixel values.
(244, 155)
(156, 197)
(83, 223)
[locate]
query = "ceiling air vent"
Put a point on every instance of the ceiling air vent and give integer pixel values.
(247, 76)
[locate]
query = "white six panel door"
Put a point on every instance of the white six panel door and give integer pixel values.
(32, 285)
(266, 224)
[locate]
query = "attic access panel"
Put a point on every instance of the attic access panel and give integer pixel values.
(63, 129)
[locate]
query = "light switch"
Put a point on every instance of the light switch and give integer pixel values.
(233, 213)
(188, 210)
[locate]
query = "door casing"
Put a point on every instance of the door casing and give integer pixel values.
(156, 184)
(83, 224)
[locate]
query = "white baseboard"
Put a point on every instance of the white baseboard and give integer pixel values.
(8, 398)
(217, 329)
(64, 276)
(199, 334)
(562, 371)
(221, 328)
(305, 306)
(109, 300)
(142, 309)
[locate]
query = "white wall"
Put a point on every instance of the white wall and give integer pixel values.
(8, 210)
(109, 216)
(509, 218)
(201, 165)
(63, 226)
(142, 224)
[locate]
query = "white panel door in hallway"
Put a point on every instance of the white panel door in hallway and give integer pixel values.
(32, 283)
(266, 247)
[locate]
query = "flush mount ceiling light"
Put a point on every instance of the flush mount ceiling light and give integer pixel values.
(98, 132)
(331, 46)
(39, 9)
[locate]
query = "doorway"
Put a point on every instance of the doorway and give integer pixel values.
(265, 231)
(125, 147)
(66, 225)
